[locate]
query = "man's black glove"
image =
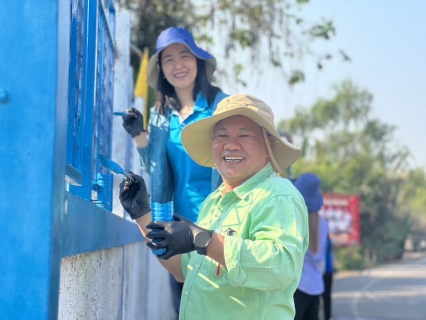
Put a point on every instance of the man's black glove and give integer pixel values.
(134, 196)
(133, 122)
(177, 237)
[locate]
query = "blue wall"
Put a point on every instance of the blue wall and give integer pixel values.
(31, 160)
(41, 222)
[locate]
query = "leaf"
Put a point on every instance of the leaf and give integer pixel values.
(296, 76)
(325, 30)
(345, 56)
(275, 62)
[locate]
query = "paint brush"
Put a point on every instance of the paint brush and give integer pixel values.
(114, 167)
(118, 113)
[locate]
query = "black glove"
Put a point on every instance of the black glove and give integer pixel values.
(177, 237)
(134, 196)
(133, 122)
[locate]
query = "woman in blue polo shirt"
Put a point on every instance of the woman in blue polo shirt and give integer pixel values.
(180, 71)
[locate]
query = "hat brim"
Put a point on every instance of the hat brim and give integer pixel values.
(197, 139)
(153, 66)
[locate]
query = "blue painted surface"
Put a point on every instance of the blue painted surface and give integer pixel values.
(96, 228)
(89, 99)
(77, 70)
(41, 65)
(104, 98)
(31, 167)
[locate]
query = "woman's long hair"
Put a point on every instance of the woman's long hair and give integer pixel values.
(314, 220)
(166, 94)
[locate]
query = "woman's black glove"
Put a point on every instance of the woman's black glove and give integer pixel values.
(134, 197)
(177, 237)
(133, 122)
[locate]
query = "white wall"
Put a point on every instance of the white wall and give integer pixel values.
(90, 286)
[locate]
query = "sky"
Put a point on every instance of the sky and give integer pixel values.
(386, 40)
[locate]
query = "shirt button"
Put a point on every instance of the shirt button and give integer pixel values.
(186, 293)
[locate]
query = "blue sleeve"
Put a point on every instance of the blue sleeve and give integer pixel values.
(219, 97)
(145, 153)
(323, 235)
(145, 159)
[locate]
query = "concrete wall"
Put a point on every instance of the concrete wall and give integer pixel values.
(121, 283)
(90, 286)
(105, 284)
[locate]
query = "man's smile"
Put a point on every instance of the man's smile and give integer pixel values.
(233, 159)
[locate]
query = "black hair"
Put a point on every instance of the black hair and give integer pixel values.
(166, 94)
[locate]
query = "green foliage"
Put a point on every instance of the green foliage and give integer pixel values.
(238, 68)
(354, 153)
(348, 258)
(325, 30)
(296, 76)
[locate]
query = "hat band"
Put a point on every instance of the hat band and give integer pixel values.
(270, 151)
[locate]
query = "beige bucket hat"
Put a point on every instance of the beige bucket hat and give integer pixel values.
(197, 137)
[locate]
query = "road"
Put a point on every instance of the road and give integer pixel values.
(391, 292)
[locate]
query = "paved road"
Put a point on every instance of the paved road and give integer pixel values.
(392, 292)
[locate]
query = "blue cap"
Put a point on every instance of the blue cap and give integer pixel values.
(177, 35)
(308, 185)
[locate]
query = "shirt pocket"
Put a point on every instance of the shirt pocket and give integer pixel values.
(214, 269)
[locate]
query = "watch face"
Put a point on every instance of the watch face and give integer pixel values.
(202, 239)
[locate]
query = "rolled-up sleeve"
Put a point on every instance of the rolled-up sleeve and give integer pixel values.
(273, 255)
(145, 158)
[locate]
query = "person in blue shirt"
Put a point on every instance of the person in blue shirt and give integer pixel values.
(180, 71)
(311, 285)
(328, 280)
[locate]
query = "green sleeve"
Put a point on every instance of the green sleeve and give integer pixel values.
(273, 255)
(184, 261)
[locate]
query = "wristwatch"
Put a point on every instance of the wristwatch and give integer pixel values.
(202, 241)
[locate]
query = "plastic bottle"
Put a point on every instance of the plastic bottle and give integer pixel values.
(161, 212)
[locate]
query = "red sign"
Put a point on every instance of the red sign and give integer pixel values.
(342, 214)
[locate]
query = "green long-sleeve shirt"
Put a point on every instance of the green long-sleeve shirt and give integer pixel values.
(268, 220)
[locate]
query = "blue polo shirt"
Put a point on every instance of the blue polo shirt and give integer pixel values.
(192, 182)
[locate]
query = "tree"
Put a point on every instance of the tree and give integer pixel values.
(244, 26)
(352, 152)
(413, 201)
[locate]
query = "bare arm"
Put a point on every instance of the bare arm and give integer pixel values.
(141, 140)
(173, 264)
(215, 250)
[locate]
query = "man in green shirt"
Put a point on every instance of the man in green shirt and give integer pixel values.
(243, 258)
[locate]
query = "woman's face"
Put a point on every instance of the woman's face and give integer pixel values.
(179, 66)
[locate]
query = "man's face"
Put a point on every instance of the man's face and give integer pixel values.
(238, 149)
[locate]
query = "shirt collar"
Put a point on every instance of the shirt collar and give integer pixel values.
(244, 189)
(200, 104)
